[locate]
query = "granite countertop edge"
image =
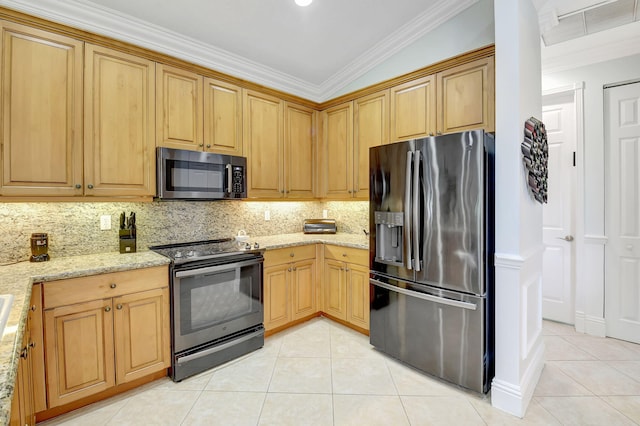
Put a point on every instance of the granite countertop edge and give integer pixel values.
(18, 279)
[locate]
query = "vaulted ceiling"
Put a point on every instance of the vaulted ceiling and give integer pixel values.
(315, 51)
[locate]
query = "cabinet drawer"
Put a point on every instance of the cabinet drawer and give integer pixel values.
(83, 289)
(347, 254)
(289, 254)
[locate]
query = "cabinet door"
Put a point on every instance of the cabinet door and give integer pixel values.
(141, 334)
(179, 108)
(303, 289)
(263, 145)
(222, 117)
(413, 109)
(41, 112)
(370, 128)
(299, 151)
(79, 351)
(119, 123)
(465, 97)
(337, 162)
(276, 296)
(335, 289)
(358, 297)
(22, 405)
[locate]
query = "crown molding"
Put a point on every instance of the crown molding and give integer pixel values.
(103, 21)
(422, 24)
(591, 49)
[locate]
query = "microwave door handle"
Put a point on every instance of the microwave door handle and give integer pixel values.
(416, 210)
(407, 212)
(229, 168)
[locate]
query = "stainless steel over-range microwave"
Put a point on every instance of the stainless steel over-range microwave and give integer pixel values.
(195, 175)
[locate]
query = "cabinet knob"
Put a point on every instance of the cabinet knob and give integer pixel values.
(295, 269)
(32, 345)
(33, 308)
(291, 254)
(78, 186)
(344, 254)
(431, 134)
(347, 269)
(107, 308)
(24, 353)
(90, 186)
(208, 145)
(350, 192)
(289, 269)
(112, 285)
(119, 306)
(439, 133)
(201, 145)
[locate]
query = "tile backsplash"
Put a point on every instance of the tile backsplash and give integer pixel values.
(74, 228)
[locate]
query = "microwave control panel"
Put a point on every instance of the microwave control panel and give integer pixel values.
(237, 180)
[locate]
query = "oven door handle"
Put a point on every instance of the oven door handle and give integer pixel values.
(211, 269)
(200, 354)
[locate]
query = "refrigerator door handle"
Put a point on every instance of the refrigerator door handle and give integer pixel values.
(424, 296)
(407, 213)
(416, 211)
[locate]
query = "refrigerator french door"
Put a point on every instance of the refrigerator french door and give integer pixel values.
(431, 222)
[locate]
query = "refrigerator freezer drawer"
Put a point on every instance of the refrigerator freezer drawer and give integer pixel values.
(440, 332)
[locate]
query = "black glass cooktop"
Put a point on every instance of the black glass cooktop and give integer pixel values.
(200, 250)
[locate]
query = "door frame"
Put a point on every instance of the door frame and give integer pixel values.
(577, 89)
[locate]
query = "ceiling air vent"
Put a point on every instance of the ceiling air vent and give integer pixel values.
(599, 16)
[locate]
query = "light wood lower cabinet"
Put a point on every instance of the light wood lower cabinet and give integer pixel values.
(289, 285)
(346, 285)
(99, 341)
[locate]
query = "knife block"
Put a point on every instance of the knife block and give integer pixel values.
(127, 240)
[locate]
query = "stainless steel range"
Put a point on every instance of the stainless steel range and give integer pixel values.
(216, 303)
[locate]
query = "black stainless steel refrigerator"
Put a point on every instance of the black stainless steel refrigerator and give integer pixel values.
(432, 273)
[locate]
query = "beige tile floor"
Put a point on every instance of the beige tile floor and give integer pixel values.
(321, 373)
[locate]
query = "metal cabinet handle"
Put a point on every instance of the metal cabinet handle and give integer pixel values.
(107, 308)
(119, 306)
(78, 186)
(566, 238)
(112, 285)
(90, 186)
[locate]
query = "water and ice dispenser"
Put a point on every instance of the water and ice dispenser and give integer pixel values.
(389, 242)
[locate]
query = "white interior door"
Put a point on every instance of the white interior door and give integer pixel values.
(622, 211)
(558, 270)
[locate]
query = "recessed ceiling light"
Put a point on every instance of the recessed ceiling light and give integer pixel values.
(303, 3)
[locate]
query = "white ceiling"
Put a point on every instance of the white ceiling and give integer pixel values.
(311, 52)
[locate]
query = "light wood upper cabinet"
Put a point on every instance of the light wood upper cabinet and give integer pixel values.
(466, 97)
(263, 144)
(41, 112)
(222, 117)
(299, 151)
(337, 151)
(179, 108)
(119, 157)
(370, 128)
(413, 109)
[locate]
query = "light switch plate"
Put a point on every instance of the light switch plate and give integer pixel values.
(325, 214)
(105, 222)
(267, 215)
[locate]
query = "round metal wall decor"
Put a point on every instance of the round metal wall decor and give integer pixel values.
(535, 156)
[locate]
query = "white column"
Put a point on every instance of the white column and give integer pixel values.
(519, 348)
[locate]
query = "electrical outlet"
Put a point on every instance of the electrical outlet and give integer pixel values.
(267, 215)
(105, 222)
(325, 214)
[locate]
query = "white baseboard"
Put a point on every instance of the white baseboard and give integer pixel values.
(512, 398)
(580, 320)
(595, 326)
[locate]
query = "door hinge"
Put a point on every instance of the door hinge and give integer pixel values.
(574, 158)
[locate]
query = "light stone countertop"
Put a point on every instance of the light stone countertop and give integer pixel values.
(17, 279)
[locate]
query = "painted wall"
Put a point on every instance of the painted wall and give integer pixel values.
(590, 262)
(74, 228)
(444, 42)
(519, 350)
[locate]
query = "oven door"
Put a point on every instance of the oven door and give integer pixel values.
(212, 301)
